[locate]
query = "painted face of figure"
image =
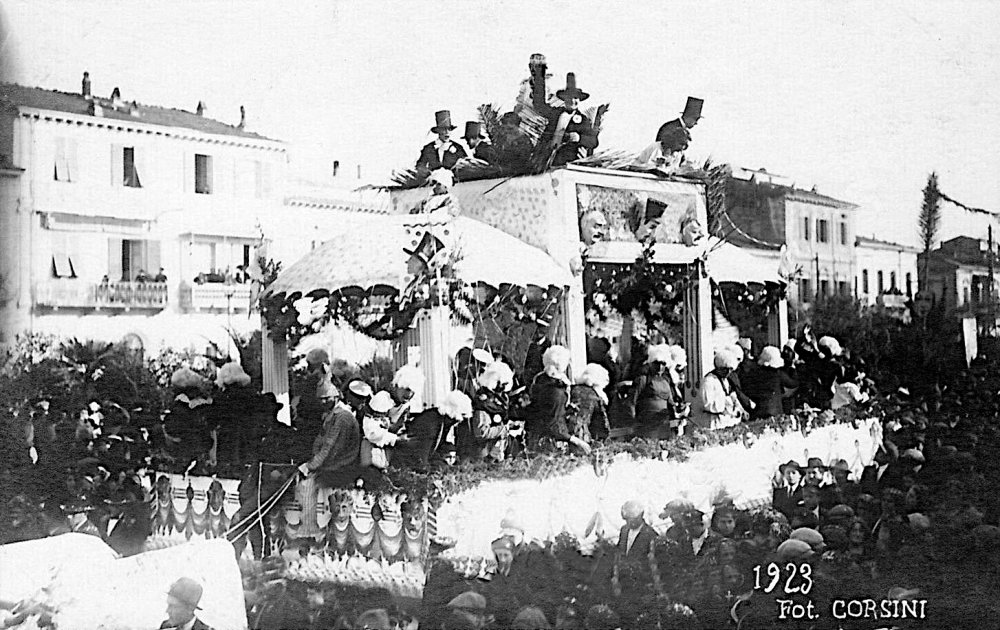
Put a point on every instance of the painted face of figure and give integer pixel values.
(415, 266)
(593, 227)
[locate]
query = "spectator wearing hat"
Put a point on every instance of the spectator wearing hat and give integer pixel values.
(720, 406)
(428, 429)
(485, 433)
(587, 417)
(476, 140)
(182, 602)
(769, 384)
(336, 450)
(656, 402)
(374, 619)
(443, 152)
(570, 134)
(504, 590)
(468, 612)
(378, 438)
(787, 493)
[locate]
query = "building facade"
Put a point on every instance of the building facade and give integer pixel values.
(886, 271)
(765, 211)
(958, 276)
(127, 221)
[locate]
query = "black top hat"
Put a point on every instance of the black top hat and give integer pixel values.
(427, 248)
(692, 109)
(442, 121)
(571, 89)
(473, 129)
(654, 209)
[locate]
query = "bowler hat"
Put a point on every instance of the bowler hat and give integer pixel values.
(442, 120)
(692, 109)
(186, 591)
(473, 129)
(470, 601)
(815, 462)
(571, 90)
(427, 248)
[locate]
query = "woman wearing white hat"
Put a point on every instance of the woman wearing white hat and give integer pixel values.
(719, 406)
(378, 439)
(657, 403)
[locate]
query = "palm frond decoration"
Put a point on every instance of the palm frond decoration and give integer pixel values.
(596, 114)
(489, 115)
(717, 178)
(610, 159)
(468, 169)
(409, 178)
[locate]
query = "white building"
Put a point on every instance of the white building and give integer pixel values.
(884, 268)
(94, 191)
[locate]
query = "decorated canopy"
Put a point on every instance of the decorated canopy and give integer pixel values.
(374, 256)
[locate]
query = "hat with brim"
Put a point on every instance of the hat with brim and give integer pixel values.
(469, 601)
(380, 402)
(442, 121)
(815, 462)
(186, 591)
(692, 108)
(376, 619)
(360, 389)
(790, 465)
(473, 129)
(571, 91)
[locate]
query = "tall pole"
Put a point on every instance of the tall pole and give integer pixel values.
(818, 293)
(991, 309)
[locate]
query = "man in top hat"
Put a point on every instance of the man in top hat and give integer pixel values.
(675, 135)
(476, 139)
(570, 134)
(443, 152)
(182, 600)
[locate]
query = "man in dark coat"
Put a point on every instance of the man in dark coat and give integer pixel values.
(476, 139)
(443, 152)
(337, 451)
(675, 135)
(182, 601)
(570, 134)
(635, 536)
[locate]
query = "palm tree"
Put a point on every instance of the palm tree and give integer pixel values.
(929, 221)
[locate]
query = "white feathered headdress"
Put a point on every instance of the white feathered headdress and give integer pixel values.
(496, 374)
(409, 377)
(455, 405)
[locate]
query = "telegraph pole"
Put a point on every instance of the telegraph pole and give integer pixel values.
(991, 301)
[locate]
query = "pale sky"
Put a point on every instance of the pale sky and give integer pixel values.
(861, 99)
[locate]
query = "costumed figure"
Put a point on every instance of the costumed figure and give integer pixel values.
(378, 439)
(476, 139)
(188, 437)
(769, 384)
(423, 263)
(719, 405)
(231, 414)
(307, 406)
(441, 204)
(336, 451)
(428, 429)
(593, 227)
(570, 134)
(587, 418)
(657, 403)
(486, 433)
(443, 152)
(672, 139)
(549, 393)
(406, 391)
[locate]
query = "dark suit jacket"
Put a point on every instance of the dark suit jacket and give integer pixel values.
(767, 389)
(786, 502)
(429, 157)
(198, 625)
(568, 151)
(426, 431)
(640, 548)
(486, 152)
(871, 483)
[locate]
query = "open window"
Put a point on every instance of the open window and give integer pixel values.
(203, 179)
(64, 169)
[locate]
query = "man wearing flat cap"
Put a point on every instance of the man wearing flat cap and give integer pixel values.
(468, 610)
(443, 152)
(182, 602)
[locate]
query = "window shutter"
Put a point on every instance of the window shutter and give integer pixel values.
(141, 170)
(114, 259)
(60, 173)
(71, 164)
(117, 166)
(210, 173)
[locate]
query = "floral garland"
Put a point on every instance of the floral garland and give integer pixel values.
(439, 485)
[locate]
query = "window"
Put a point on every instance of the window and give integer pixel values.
(130, 174)
(880, 283)
(843, 234)
(864, 281)
(822, 231)
(824, 288)
(892, 280)
(805, 228)
(62, 266)
(843, 288)
(805, 290)
(246, 256)
(126, 258)
(203, 174)
(909, 285)
(64, 169)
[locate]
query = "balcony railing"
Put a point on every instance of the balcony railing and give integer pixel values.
(74, 293)
(216, 296)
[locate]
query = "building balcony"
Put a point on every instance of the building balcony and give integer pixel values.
(74, 293)
(215, 296)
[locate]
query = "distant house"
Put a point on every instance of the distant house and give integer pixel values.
(765, 211)
(886, 271)
(98, 194)
(958, 275)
